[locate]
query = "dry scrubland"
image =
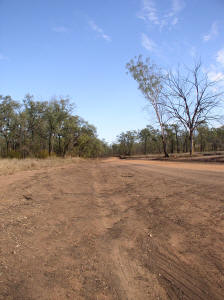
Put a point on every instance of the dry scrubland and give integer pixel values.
(111, 230)
(11, 166)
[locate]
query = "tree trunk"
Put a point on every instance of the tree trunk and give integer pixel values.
(59, 145)
(7, 148)
(177, 142)
(201, 145)
(164, 141)
(50, 145)
(186, 144)
(165, 147)
(145, 148)
(7, 145)
(65, 149)
(191, 137)
(172, 146)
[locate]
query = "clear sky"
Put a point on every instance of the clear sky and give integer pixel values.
(80, 48)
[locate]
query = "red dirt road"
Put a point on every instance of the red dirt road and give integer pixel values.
(113, 229)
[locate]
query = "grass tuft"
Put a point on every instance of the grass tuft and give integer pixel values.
(11, 166)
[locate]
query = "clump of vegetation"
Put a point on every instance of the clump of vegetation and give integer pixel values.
(44, 129)
(11, 166)
(149, 141)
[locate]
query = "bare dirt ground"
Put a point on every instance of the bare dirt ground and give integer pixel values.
(113, 229)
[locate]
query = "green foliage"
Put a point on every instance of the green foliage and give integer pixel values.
(148, 77)
(126, 141)
(42, 129)
(14, 154)
(42, 154)
(148, 140)
(150, 82)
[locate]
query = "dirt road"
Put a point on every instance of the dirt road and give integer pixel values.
(113, 229)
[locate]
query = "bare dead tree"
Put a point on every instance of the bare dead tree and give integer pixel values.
(192, 99)
(150, 83)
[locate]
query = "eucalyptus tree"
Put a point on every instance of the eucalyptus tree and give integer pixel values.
(126, 141)
(8, 121)
(144, 136)
(220, 134)
(191, 98)
(176, 129)
(68, 129)
(55, 114)
(38, 129)
(202, 137)
(151, 83)
(34, 115)
(171, 138)
(216, 138)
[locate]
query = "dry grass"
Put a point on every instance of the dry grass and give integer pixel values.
(11, 166)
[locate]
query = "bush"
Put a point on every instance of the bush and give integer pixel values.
(14, 154)
(42, 154)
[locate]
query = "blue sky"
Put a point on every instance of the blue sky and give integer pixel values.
(80, 48)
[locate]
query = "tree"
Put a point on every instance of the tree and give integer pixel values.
(202, 137)
(191, 99)
(175, 127)
(126, 140)
(144, 136)
(8, 120)
(150, 83)
(37, 129)
(66, 134)
(170, 136)
(57, 111)
(34, 116)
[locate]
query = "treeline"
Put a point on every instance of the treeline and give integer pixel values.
(149, 140)
(40, 129)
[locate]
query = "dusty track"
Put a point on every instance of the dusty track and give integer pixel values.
(113, 230)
